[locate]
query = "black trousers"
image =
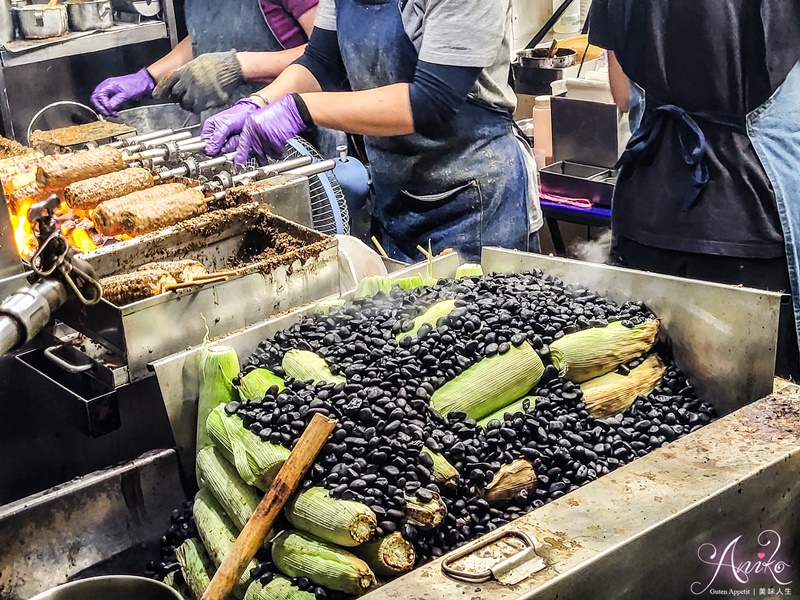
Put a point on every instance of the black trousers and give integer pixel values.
(761, 273)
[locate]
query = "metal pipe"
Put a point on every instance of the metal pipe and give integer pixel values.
(314, 168)
(10, 334)
(29, 309)
(197, 146)
(136, 139)
(174, 137)
(192, 141)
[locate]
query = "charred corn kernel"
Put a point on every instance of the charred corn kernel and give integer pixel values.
(182, 270)
(373, 285)
(57, 171)
(613, 393)
(151, 216)
(522, 405)
(509, 480)
(107, 217)
(443, 472)
(587, 354)
(341, 522)
(254, 385)
(389, 556)
(256, 461)
(430, 317)
(217, 533)
(425, 515)
(469, 270)
(299, 554)
(196, 566)
(307, 366)
(219, 477)
(89, 193)
(279, 588)
(491, 383)
(132, 287)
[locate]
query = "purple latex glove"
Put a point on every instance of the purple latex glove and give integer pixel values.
(221, 131)
(115, 91)
(266, 131)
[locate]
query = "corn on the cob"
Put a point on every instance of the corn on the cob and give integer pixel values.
(491, 383)
(410, 283)
(57, 171)
(32, 192)
(18, 164)
(132, 287)
(255, 384)
(107, 216)
(257, 462)
(174, 579)
(182, 270)
(389, 556)
(469, 270)
(145, 217)
(425, 515)
(10, 148)
(443, 472)
(196, 566)
(613, 393)
(218, 536)
(325, 306)
(89, 193)
(220, 477)
(373, 285)
(522, 405)
(341, 522)
(299, 554)
(307, 366)
(430, 317)
(587, 354)
(509, 480)
(279, 588)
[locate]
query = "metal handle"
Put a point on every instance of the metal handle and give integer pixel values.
(501, 569)
(64, 364)
(59, 103)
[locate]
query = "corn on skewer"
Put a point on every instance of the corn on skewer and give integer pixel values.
(613, 393)
(107, 216)
(307, 366)
(341, 522)
(196, 566)
(182, 270)
(132, 287)
(146, 217)
(88, 193)
(55, 172)
(389, 556)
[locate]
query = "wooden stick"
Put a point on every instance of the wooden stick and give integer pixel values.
(194, 283)
(425, 253)
(271, 505)
(381, 251)
(207, 276)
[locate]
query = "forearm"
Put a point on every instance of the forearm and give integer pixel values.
(620, 85)
(266, 66)
(295, 79)
(177, 57)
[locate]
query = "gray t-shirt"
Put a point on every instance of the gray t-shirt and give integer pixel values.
(458, 33)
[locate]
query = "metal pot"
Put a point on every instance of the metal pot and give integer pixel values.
(38, 22)
(537, 58)
(90, 15)
(118, 587)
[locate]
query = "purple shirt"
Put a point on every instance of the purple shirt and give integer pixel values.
(281, 17)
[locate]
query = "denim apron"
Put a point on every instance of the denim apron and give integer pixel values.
(464, 189)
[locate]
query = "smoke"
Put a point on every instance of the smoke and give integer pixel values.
(593, 251)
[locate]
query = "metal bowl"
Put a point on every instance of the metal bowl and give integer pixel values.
(537, 58)
(118, 587)
(152, 117)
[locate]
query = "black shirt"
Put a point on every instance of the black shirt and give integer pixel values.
(720, 56)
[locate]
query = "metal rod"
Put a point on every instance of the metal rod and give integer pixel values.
(198, 146)
(136, 139)
(10, 334)
(190, 141)
(314, 168)
(173, 137)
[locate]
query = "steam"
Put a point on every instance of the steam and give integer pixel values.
(593, 251)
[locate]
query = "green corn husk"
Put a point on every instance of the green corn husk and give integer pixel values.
(373, 285)
(219, 477)
(325, 306)
(279, 588)
(522, 405)
(613, 393)
(490, 384)
(255, 384)
(174, 579)
(509, 480)
(196, 566)
(389, 556)
(304, 366)
(342, 522)
(425, 515)
(218, 535)
(256, 461)
(469, 270)
(430, 316)
(587, 354)
(443, 472)
(299, 554)
(218, 366)
(410, 283)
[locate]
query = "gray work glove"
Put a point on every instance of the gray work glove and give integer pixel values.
(203, 83)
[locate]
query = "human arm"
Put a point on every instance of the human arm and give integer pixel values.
(620, 85)
(175, 59)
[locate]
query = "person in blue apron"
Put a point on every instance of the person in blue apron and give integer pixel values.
(709, 184)
(428, 83)
(233, 47)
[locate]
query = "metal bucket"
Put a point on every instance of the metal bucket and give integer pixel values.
(118, 587)
(89, 15)
(154, 117)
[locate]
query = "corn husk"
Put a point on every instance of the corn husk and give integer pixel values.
(218, 366)
(469, 270)
(219, 477)
(389, 556)
(304, 365)
(299, 554)
(255, 384)
(613, 393)
(342, 522)
(279, 588)
(509, 480)
(443, 472)
(523, 405)
(196, 566)
(256, 461)
(430, 317)
(425, 515)
(373, 285)
(491, 384)
(325, 306)
(174, 579)
(587, 354)
(410, 283)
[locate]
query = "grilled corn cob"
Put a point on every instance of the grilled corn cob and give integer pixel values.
(443, 472)
(150, 216)
(57, 171)
(587, 354)
(217, 533)
(257, 462)
(341, 522)
(389, 556)
(220, 477)
(196, 566)
(307, 366)
(89, 193)
(491, 383)
(425, 515)
(182, 270)
(430, 317)
(257, 382)
(613, 393)
(132, 287)
(522, 405)
(10, 148)
(509, 480)
(107, 216)
(299, 554)
(279, 588)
